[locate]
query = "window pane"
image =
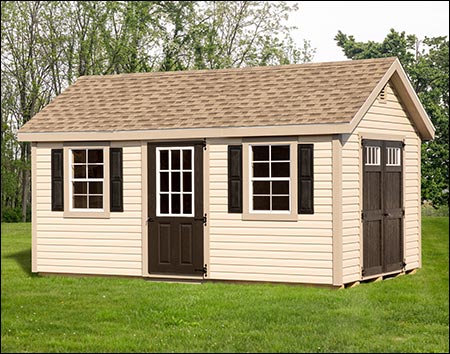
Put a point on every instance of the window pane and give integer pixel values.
(280, 187)
(261, 169)
(79, 171)
(175, 160)
(163, 159)
(187, 181)
(260, 153)
(164, 203)
(95, 202)
(187, 203)
(79, 156)
(175, 181)
(261, 187)
(164, 181)
(187, 159)
(95, 187)
(79, 187)
(95, 156)
(95, 171)
(80, 202)
(280, 169)
(176, 206)
(280, 152)
(261, 203)
(280, 203)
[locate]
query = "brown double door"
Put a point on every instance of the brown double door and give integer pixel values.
(175, 209)
(382, 212)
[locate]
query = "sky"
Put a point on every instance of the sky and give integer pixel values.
(319, 22)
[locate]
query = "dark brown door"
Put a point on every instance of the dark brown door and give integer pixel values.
(382, 207)
(175, 208)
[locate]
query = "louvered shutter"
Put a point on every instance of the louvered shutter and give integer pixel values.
(305, 179)
(235, 179)
(57, 166)
(116, 180)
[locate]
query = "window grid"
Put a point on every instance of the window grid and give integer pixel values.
(169, 191)
(86, 180)
(269, 179)
(393, 156)
(373, 155)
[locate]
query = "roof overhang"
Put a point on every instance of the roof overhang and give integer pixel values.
(183, 133)
(397, 76)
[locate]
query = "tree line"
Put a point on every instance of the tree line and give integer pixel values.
(47, 45)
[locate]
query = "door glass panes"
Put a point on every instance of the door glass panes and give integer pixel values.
(373, 155)
(393, 156)
(270, 178)
(175, 183)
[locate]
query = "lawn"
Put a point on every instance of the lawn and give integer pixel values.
(107, 314)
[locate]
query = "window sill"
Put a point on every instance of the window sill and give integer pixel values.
(269, 217)
(86, 215)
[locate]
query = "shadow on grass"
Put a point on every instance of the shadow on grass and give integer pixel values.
(23, 259)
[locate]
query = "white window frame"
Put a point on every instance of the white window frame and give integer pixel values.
(268, 179)
(72, 179)
(181, 170)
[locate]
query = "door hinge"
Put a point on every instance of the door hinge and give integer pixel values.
(205, 219)
(403, 264)
(362, 215)
(204, 143)
(363, 271)
(204, 270)
(403, 212)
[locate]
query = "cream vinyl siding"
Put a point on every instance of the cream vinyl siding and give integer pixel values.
(284, 251)
(384, 120)
(89, 246)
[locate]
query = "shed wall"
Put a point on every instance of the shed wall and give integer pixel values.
(285, 251)
(386, 121)
(89, 246)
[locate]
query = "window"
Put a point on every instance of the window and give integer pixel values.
(174, 181)
(87, 179)
(393, 156)
(270, 178)
(373, 155)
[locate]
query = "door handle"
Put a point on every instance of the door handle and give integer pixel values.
(387, 214)
(150, 219)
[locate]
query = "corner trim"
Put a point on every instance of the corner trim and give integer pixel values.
(337, 211)
(33, 208)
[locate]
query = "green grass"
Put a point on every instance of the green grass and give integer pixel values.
(101, 314)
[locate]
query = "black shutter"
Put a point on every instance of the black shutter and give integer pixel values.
(235, 179)
(305, 179)
(115, 179)
(57, 180)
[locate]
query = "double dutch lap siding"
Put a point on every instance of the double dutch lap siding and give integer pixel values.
(90, 246)
(285, 251)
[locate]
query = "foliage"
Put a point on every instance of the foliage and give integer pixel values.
(427, 65)
(106, 314)
(46, 45)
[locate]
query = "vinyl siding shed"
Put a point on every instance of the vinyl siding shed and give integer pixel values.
(304, 173)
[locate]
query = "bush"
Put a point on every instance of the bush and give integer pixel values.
(10, 214)
(429, 210)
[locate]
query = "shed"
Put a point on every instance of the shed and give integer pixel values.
(303, 173)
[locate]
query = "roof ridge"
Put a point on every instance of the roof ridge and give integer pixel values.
(225, 70)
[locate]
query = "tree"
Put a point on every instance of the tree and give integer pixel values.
(426, 63)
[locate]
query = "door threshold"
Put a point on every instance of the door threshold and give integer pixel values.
(174, 278)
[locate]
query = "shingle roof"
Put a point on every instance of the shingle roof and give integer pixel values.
(314, 93)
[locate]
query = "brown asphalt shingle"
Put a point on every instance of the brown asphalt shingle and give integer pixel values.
(313, 93)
